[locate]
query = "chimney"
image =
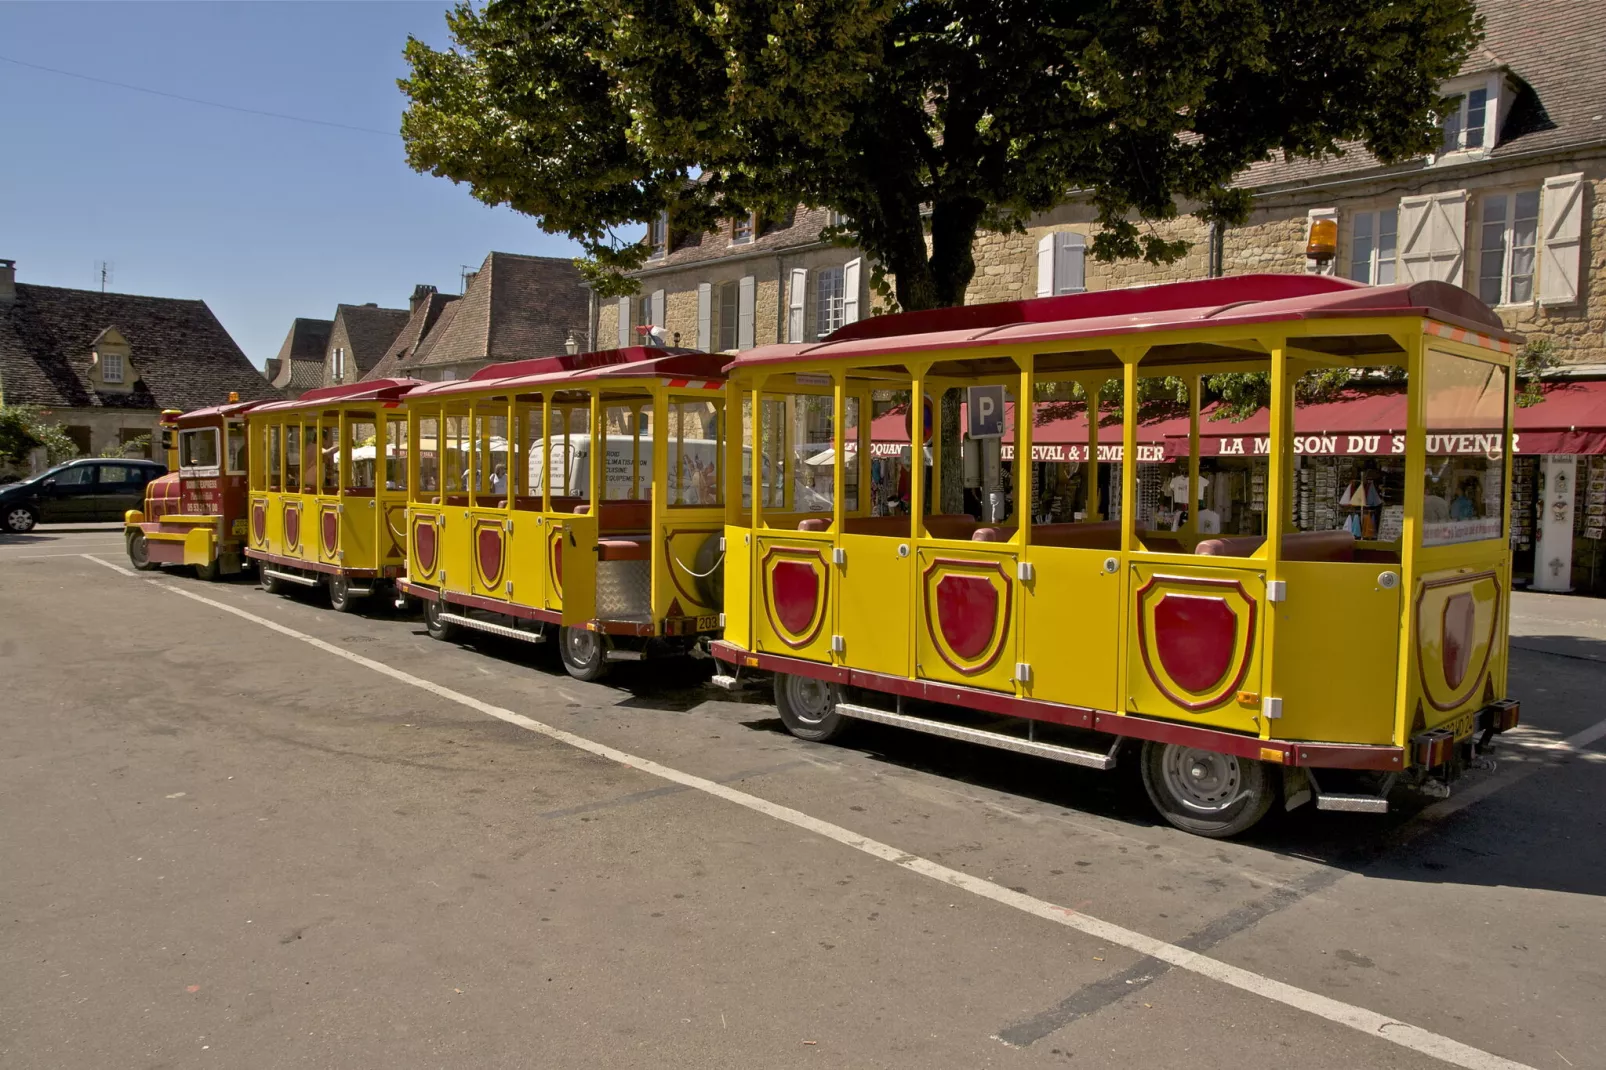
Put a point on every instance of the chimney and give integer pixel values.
(8, 281)
(421, 293)
(370, 304)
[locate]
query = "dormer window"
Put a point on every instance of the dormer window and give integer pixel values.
(658, 236)
(1472, 122)
(111, 367)
(742, 228)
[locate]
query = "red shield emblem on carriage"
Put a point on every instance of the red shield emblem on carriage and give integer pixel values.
(292, 526)
(1457, 630)
(488, 551)
(795, 593)
(1460, 614)
(424, 545)
(1196, 638)
(329, 523)
(259, 522)
(967, 612)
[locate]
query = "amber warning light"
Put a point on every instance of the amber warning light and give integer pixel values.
(234, 395)
(1322, 245)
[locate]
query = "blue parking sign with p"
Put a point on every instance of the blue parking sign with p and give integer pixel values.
(985, 412)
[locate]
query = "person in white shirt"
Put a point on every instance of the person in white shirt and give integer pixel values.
(499, 479)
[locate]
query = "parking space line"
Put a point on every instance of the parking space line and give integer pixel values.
(1358, 1018)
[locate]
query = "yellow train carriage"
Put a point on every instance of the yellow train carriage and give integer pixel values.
(578, 496)
(328, 494)
(1249, 646)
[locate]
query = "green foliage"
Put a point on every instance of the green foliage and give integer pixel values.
(134, 447)
(23, 429)
(922, 121)
(1536, 357)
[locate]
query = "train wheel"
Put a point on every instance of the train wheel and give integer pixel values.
(808, 707)
(209, 571)
(270, 584)
(443, 630)
(340, 599)
(584, 653)
(139, 552)
(1205, 792)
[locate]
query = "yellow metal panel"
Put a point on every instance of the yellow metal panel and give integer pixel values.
(1456, 648)
(739, 584)
(967, 614)
(489, 550)
(330, 533)
(1336, 652)
(199, 546)
(792, 608)
(424, 544)
(457, 558)
(874, 602)
(579, 568)
(526, 567)
(677, 590)
(552, 536)
(1194, 645)
(390, 531)
(1070, 614)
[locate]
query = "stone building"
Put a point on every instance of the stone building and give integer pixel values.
(512, 308)
(104, 365)
(749, 282)
(358, 338)
(300, 363)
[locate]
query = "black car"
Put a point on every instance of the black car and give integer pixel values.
(90, 488)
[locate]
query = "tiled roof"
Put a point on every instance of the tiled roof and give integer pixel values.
(182, 354)
(801, 227)
(369, 331)
(296, 376)
(1556, 54)
(515, 307)
(403, 352)
(306, 340)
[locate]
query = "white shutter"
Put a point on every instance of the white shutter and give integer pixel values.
(705, 316)
(657, 308)
(1045, 265)
(850, 291)
(1432, 237)
(744, 313)
(624, 322)
(1069, 250)
(1561, 215)
(794, 304)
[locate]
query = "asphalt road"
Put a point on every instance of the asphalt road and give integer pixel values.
(245, 831)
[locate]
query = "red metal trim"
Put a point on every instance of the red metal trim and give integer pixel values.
(510, 609)
(1131, 726)
(821, 607)
(1488, 650)
(312, 566)
(1249, 640)
(553, 561)
(1001, 625)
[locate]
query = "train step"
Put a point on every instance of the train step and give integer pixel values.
(1090, 759)
(495, 629)
(291, 577)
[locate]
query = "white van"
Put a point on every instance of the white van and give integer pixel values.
(569, 471)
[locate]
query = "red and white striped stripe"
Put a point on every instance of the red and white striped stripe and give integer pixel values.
(693, 384)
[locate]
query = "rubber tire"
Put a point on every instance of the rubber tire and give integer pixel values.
(24, 515)
(1255, 780)
(595, 665)
(341, 599)
(269, 584)
(210, 572)
(444, 630)
(800, 716)
(139, 552)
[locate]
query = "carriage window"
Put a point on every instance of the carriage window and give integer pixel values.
(1466, 438)
(273, 456)
(292, 457)
(850, 454)
(569, 450)
(429, 452)
(395, 456)
(198, 448)
(329, 455)
(454, 455)
(490, 455)
(629, 452)
(364, 446)
(1343, 480)
(236, 449)
(696, 452)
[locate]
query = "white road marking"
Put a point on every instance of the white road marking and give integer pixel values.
(31, 557)
(1573, 744)
(1366, 1021)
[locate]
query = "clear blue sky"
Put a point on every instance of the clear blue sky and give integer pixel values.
(262, 218)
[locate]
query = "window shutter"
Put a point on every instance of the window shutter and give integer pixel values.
(744, 313)
(1069, 269)
(624, 322)
(657, 308)
(705, 316)
(1045, 266)
(794, 305)
(850, 291)
(1432, 237)
(1561, 212)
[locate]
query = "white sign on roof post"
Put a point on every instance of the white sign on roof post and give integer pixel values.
(985, 412)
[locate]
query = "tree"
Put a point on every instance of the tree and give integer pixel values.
(923, 122)
(23, 429)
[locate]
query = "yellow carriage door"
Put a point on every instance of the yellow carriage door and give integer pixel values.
(390, 480)
(359, 502)
(489, 518)
(525, 567)
(327, 489)
(685, 541)
(561, 462)
(426, 512)
(456, 527)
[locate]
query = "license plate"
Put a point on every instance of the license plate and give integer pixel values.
(239, 526)
(708, 622)
(1461, 727)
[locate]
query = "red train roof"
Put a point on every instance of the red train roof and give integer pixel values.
(368, 390)
(1239, 300)
(635, 362)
